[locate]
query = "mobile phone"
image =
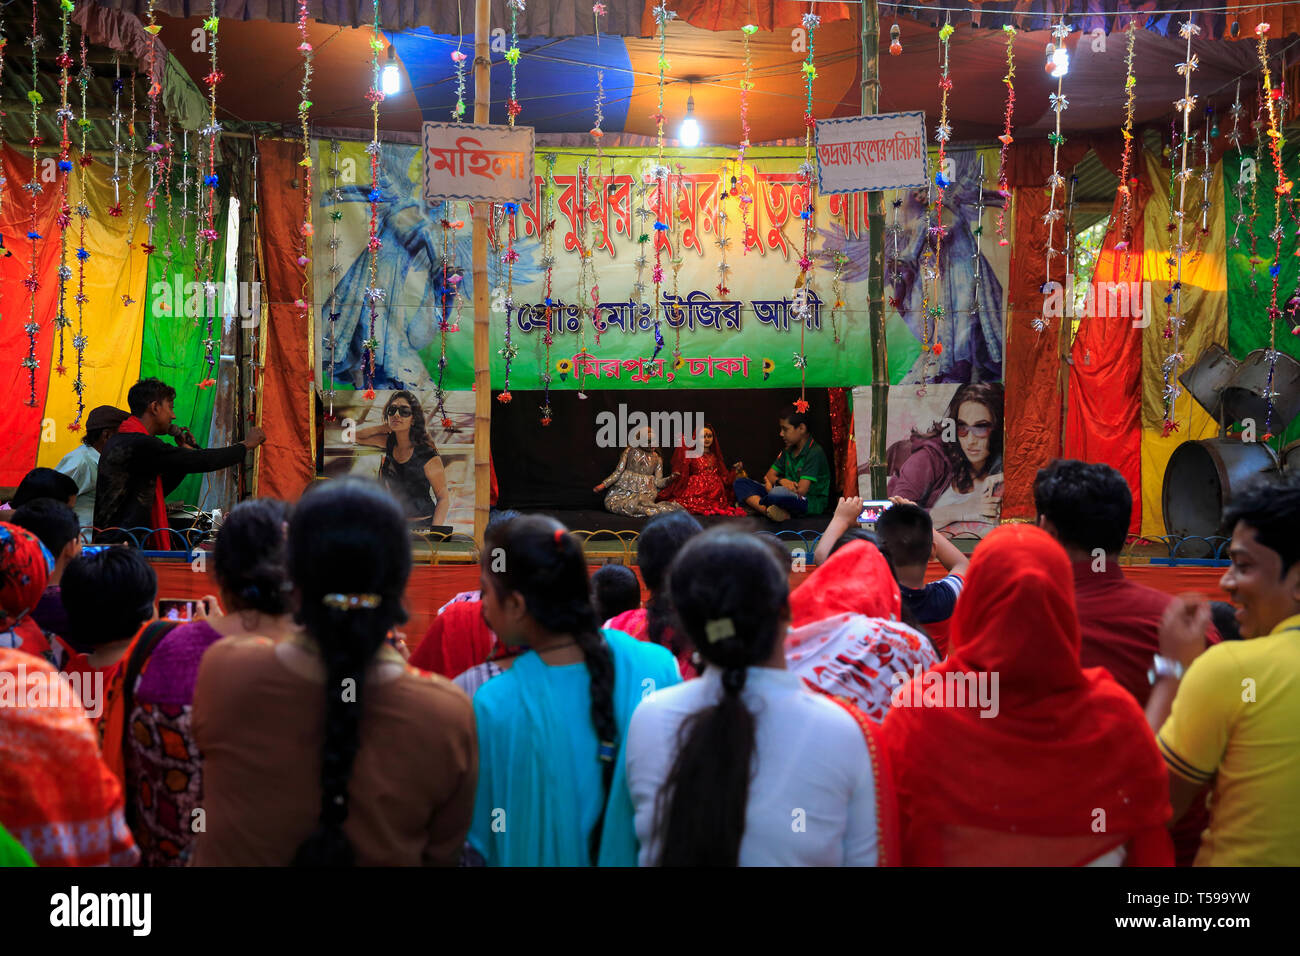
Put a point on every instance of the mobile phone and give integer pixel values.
(872, 510)
(176, 609)
(89, 549)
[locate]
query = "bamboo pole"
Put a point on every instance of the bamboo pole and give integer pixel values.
(482, 338)
(876, 272)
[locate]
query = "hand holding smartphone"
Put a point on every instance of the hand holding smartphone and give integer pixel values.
(872, 510)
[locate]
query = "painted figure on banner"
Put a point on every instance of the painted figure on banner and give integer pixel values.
(954, 468)
(631, 489)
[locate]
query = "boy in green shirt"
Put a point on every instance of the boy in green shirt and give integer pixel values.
(798, 483)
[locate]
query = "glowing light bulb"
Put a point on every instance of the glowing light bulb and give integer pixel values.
(1060, 62)
(688, 134)
(390, 77)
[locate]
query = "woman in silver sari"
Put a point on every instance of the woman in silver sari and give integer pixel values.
(632, 488)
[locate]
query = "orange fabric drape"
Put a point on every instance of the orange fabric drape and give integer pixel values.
(285, 465)
(1032, 363)
(1103, 420)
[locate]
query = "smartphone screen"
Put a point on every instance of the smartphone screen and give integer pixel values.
(872, 510)
(176, 609)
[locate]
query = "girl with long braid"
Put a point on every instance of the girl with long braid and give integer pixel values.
(551, 729)
(384, 772)
(746, 766)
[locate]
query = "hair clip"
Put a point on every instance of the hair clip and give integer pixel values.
(720, 630)
(606, 751)
(350, 602)
(559, 535)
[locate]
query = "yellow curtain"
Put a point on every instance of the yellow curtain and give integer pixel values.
(1205, 310)
(113, 331)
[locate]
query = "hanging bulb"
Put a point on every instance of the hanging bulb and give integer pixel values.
(895, 45)
(1051, 52)
(1060, 64)
(689, 132)
(390, 78)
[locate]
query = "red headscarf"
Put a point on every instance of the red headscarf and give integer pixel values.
(677, 487)
(158, 509)
(25, 566)
(1066, 771)
(856, 580)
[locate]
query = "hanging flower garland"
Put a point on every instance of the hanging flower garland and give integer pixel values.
(332, 301)
(1207, 175)
(676, 262)
(548, 267)
(33, 187)
(1059, 104)
(83, 213)
(209, 234)
(374, 294)
(738, 181)
(169, 163)
(3, 42)
(723, 241)
(64, 220)
(932, 309)
(1238, 190)
(115, 210)
(450, 281)
(802, 309)
(598, 185)
(458, 60)
(663, 205)
(1125, 181)
(1174, 322)
(509, 351)
(307, 229)
(1006, 139)
(1283, 188)
(154, 71)
(977, 257)
(129, 148)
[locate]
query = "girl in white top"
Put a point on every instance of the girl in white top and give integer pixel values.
(746, 766)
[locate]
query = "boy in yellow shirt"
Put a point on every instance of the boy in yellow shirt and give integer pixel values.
(1229, 716)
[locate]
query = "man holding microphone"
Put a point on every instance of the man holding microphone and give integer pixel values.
(137, 469)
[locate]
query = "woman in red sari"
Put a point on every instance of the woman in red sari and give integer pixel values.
(703, 485)
(1061, 769)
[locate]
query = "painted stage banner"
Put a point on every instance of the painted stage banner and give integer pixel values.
(870, 153)
(480, 163)
(575, 290)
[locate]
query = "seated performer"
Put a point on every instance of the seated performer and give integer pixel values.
(632, 487)
(704, 483)
(798, 481)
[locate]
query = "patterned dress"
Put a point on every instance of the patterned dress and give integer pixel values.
(635, 483)
(708, 488)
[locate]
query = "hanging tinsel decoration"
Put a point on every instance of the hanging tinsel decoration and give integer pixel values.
(169, 163)
(597, 187)
(1239, 190)
(83, 213)
(1057, 182)
(451, 277)
(662, 202)
(1283, 188)
(64, 219)
(307, 229)
(332, 301)
(977, 256)
(723, 241)
(1207, 175)
(3, 43)
(1126, 161)
(33, 187)
(117, 117)
(374, 294)
(129, 148)
(1174, 321)
(209, 235)
(743, 199)
(1006, 138)
(154, 71)
(932, 306)
(509, 350)
(676, 263)
(548, 268)
(458, 61)
(801, 308)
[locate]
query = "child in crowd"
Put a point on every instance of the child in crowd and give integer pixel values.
(57, 526)
(614, 590)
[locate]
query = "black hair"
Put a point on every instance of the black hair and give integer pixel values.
(992, 397)
(43, 483)
(857, 533)
(1224, 616)
(107, 596)
(1089, 505)
(794, 417)
(1272, 508)
(52, 521)
(92, 436)
(147, 391)
(907, 533)
(345, 537)
(545, 564)
(250, 556)
(661, 539)
(419, 431)
(732, 597)
(614, 589)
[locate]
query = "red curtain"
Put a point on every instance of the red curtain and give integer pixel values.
(1105, 398)
(20, 422)
(286, 464)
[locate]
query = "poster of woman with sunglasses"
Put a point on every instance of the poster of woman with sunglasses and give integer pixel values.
(411, 468)
(953, 468)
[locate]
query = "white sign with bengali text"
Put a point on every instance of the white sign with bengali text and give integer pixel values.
(463, 162)
(869, 153)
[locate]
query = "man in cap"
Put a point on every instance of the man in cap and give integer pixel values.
(82, 463)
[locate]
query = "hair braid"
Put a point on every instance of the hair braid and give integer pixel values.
(600, 668)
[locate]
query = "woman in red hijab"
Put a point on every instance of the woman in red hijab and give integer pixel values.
(1060, 768)
(703, 483)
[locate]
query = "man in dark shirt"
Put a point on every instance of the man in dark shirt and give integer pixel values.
(137, 469)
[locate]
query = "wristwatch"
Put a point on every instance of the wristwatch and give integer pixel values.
(1164, 667)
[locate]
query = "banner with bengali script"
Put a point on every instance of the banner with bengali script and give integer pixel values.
(730, 313)
(488, 163)
(880, 151)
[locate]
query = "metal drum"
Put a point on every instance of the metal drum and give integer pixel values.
(1207, 377)
(1200, 480)
(1243, 396)
(1291, 458)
